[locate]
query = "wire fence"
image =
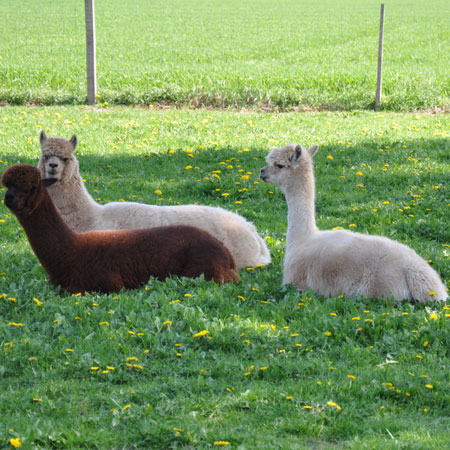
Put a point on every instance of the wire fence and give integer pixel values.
(293, 54)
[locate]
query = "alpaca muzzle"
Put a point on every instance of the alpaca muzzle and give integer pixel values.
(10, 198)
(263, 175)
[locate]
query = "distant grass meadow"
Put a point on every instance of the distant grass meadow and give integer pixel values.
(188, 364)
(258, 53)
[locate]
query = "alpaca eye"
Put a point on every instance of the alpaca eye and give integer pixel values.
(46, 157)
(280, 166)
(65, 159)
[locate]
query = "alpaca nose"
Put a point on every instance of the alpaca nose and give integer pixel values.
(53, 165)
(10, 199)
(262, 174)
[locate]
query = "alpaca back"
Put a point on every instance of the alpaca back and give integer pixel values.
(110, 260)
(236, 233)
(341, 262)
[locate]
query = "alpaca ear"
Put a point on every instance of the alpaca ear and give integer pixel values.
(312, 151)
(42, 137)
(48, 181)
(297, 155)
(74, 141)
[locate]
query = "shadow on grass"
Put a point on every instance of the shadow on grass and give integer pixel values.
(398, 189)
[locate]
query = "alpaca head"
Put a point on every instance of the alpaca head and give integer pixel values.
(24, 188)
(288, 165)
(57, 161)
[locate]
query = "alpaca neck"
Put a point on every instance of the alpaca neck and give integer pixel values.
(51, 239)
(79, 196)
(74, 203)
(301, 212)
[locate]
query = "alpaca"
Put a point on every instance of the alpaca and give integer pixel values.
(82, 213)
(109, 260)
(337, 262)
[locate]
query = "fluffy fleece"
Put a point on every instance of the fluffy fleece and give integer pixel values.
(341, 262)
(109, 260)
(82, 213)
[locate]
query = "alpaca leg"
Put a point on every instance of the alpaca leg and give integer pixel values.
(113, 282)
(228, 275)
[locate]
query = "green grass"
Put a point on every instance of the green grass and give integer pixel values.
(278, 369)
(320, 55)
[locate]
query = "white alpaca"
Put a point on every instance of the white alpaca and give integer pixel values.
(82, 213)
(337, 262)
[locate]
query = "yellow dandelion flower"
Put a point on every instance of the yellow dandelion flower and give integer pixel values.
(39, 303)
(307, 407)
(359, 174)
(429, 386)
(132, 358)
(15, 442)
(201, 333)
(221, 443)
(168, 323)
(126, 407)
(329, 157)
(158, 192)
(433, 316)
(432, 293)
(327, 333)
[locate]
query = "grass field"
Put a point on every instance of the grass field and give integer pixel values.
(276, 369)
(290, 54)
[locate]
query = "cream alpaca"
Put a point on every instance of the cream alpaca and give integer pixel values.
(82, 213)
(337, 262)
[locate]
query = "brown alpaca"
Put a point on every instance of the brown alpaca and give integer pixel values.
(109, 260)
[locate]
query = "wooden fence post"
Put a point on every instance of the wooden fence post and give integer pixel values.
(90, 52)
(380, 60)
